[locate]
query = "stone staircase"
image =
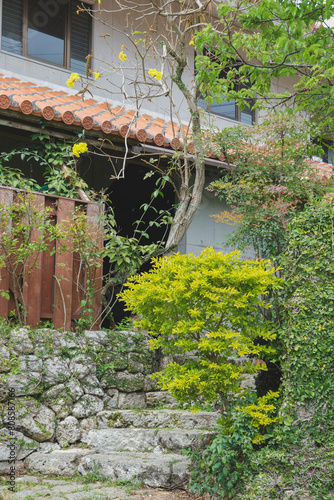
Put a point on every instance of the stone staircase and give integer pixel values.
(140, 446)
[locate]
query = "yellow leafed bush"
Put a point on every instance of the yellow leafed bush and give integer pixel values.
(207, 307)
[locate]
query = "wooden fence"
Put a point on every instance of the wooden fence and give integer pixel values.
(55, 287)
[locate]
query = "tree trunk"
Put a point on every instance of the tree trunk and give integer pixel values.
(187, 208)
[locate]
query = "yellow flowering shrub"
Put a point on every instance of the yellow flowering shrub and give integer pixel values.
(79, 148)
(206, 306)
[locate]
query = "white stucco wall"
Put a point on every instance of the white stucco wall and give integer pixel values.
(204, 231)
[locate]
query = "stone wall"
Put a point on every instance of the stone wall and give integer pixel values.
(62, 381)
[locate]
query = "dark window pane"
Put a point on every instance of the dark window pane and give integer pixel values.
(330, 156)
(246, 118)
(224, 108)
(12, 14)
(80, 34)
(247, 115)
(46, 30)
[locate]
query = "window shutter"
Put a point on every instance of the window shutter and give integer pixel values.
(80, 39)
(11, 39)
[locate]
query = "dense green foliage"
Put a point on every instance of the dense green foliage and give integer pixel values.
(50, 156)
(206, 307)
(274, 39)
(269, 181)
(308, 329)
(223, 466)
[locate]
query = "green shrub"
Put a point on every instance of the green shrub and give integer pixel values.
(205, 309)
(224, 465)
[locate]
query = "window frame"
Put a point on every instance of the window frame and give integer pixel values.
(237, 112)
(238, 87)
(67, 38)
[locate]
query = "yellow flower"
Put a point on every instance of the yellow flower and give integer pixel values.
(73, 78)
(96, 74)
(155, 74)
(79, 148)
(191, 42)
(122, 56)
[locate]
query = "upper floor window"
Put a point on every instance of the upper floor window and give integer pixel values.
(229, 108)
(47, 30)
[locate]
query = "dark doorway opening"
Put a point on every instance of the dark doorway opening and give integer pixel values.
(126, 198)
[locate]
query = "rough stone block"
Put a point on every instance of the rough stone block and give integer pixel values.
(157, 471)
(61, 462)
(131, 400)
(81, 366)
(91, 385)
(35, 420)
(86, 406)
(110, 400)
(86, 425)
(21, 340)
(56, 370)
(68, 431)
(4, 359)
(23, 445)
(160, 398)
(127, 439)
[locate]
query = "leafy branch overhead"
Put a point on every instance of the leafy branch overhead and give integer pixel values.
(277, 51)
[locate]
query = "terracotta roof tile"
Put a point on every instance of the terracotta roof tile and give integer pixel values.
(29, 98)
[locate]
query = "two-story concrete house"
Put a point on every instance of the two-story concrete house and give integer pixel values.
(42, 43)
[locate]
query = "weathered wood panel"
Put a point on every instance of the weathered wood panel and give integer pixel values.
(55, 288)
(6, 198)
(63, 270)
(93, 215)
(48, 265)
(32, 272)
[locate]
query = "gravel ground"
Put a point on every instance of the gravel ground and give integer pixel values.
(35, 488)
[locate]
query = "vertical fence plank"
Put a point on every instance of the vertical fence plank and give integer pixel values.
(96, 232)
(48, 265)
(6, 199)
(32, 284)
(63, 270)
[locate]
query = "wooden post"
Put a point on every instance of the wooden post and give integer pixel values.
(6, 199)
(63, 270)
(32, 284)
(96, 231)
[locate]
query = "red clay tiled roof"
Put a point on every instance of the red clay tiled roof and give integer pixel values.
(29, 98)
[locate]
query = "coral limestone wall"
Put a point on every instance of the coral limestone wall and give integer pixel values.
(53, 385)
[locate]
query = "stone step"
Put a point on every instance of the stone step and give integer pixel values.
(160, 441)
(146, 419)
(154, 470)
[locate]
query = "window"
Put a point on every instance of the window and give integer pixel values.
(47, 30)
(230, 109)
(328, 149)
